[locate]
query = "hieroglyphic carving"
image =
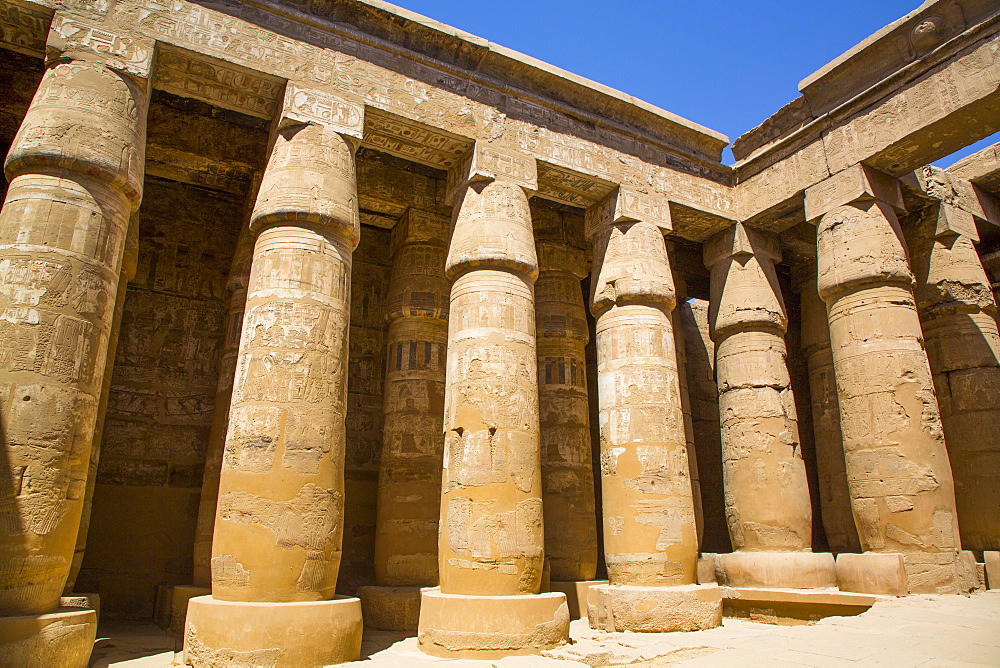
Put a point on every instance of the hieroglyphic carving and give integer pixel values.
(23, 27)
(121, 50)
(307, 105)
(414, 141)
(569, 187)
(217, 82)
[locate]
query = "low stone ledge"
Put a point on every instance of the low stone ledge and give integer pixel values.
(654, 609)
(792, 606)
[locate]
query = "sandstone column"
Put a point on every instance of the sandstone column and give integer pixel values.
(567, 466)
(650, 537)
(491, 542)
(75, 170)
(957, 310)
(767, 495)
(409, 496)
(835, 501)
(279, 519)
(130, 261)
(201, 581)
(898, 473)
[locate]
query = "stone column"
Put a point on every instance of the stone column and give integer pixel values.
(768, 507)
(650, 537)
(409, 492)
(567, 465)
(75, 170)
(957, 316)
(201, 582)
(898, 473)
(279, 522)
(491, 543)
(130, 262)
(835, 501)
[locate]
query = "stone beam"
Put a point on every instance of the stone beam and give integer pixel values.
(982, 169)
(934, 183)
(927, 108)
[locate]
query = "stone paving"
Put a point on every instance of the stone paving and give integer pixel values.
(927, 631)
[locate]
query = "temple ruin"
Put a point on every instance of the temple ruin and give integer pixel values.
(318, 315)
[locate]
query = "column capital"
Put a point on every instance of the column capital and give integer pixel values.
(632, 267)
(745, 290)
(554, 256)
(487, 162)
(857, 183)
(628, 205)
(72, 37)
(740, 242)
(493, 230)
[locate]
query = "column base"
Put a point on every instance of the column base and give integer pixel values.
(61, 639)
(179, 597)
(390, 608)
(576, 594)
(458, 626)
(992, 561)
(881, 573)
(785, 570)
(655, 609)
(237, 633)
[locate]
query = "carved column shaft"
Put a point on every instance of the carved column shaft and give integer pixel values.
(75, 172)
(835, 501)
(767, 494)
(207, 505)
(567, 468)
(649, 522)
(130, 261)
(897, 465)
(957, 316)
(412, 448)
(491, 502)
(279, 522)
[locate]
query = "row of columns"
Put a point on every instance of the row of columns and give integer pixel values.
(499, 372)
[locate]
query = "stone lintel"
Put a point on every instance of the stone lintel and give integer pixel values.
(488, 162)
(740, 241)
(217, 82)
(417, 226)
(627, 205)
(76, 38)
(982, 169)
(411, 140)
(853, 184)
(936, 184)
(890, 49)
(23, 27)
(185, 167)
(309, 105)
(567, 186)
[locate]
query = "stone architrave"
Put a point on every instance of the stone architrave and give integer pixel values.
(279, 519)
(491, 545)
(900, 481)
(75, 171)
(567, 468)
(835, 501)
(409, 493)
(650, 537)
(766, 491)
(957, 315)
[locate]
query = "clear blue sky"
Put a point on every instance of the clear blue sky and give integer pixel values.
(726, 64)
